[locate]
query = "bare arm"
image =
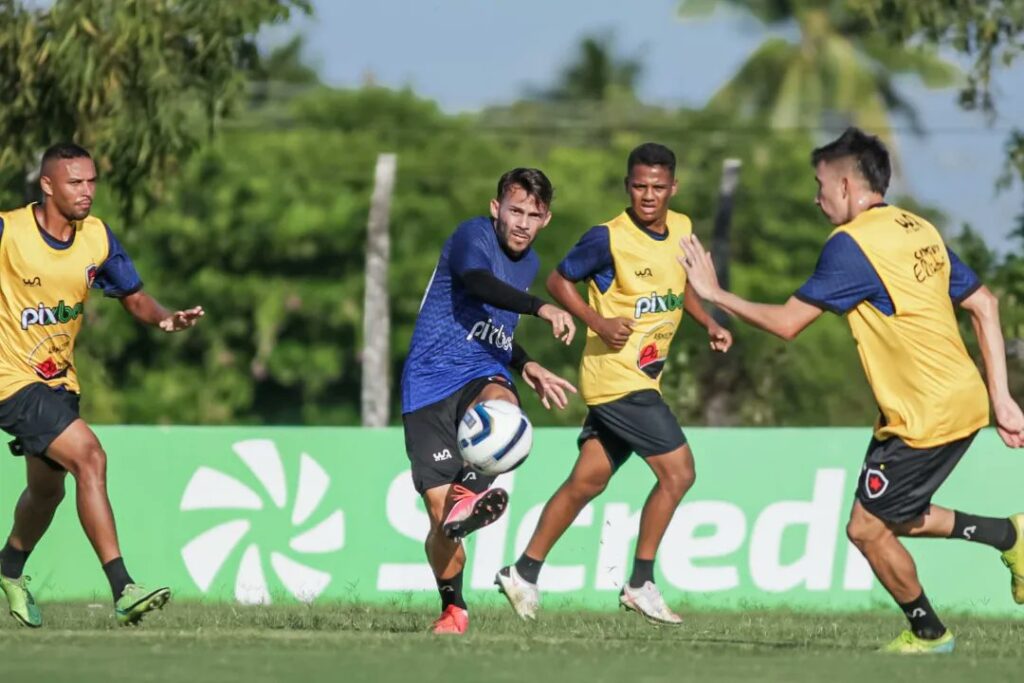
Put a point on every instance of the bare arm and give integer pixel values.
(565, 293)
(984, 309)
(148, 311)
(693, 308)
(614, 331)
(785, 321)
(719, 338)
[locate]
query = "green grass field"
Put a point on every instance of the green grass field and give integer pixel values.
(219, 643)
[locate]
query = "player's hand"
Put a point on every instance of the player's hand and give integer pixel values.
(700, 269)
(615, 332)
(549, 387)
(1009, 422)
(719, 337)
(562, 325)
(182, 320)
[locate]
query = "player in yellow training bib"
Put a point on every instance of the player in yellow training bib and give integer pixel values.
(889, 272)
(637, 294)
(51, 255)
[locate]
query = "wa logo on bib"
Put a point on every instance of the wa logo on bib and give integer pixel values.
(260, 525)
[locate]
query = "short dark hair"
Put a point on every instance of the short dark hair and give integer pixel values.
(869, 152)
(63, 150)
(532, 180)
(651, 154)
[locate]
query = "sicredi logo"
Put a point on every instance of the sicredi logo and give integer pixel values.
(207, 554)
(710, 546)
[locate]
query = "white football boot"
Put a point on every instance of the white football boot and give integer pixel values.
(647, 601)
(522, 595)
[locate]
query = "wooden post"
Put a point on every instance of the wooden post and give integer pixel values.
(723, 227)
(376, 356)
(720, 376)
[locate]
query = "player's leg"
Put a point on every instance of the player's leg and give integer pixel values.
(473, 504)
(431, 445)
(447, 560)
(894, 495)
(589, 477)
(892, 564)
(79, 451)
(32, 516)
(646, 423)
(675, 476)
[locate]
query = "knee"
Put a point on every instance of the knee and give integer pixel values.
(863, 533)
(586, 489)
(91, 464)
(50, 496)
(677, 482)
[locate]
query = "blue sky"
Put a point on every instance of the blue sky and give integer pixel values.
(467, 54)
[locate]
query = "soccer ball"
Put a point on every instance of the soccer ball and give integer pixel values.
(495, 437)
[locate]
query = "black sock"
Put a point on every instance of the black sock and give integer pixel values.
(12, 561)
(118, 577)
(643, 571)
(997, 532)
(528, 567)
(923, 620)
(451, 592)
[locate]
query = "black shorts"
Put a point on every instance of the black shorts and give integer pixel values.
(432, 444)
(897, 482)
(36, 415)
(640, 423)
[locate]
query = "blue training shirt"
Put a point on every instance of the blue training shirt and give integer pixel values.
(844, 277)
(458, 338)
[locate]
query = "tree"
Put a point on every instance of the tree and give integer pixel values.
(990, 33)
(596, 74)
(838, 73)
(139, 82)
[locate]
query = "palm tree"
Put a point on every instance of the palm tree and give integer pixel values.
(839, 72)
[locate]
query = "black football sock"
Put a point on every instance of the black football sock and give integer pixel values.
(997, 532)
(118, 577)
(643, 571)
(923, 620)
(12, 561)
(451, 592)
(528, 567)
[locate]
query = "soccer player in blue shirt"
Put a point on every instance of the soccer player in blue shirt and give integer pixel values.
(462, 351)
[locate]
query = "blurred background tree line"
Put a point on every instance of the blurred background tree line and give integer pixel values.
(237, 180)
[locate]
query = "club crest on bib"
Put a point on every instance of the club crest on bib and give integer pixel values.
(653, 348)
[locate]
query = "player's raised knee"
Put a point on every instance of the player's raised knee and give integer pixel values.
(89, 463)
(677, 482)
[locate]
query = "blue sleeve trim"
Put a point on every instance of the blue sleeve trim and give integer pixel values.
(117, 276)
(963, 281)
(843, 278)
(591, 257)
(1, 227)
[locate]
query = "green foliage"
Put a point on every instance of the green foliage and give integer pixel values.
(139, 82)
(596, 74)
(266, 229)
(839, 73)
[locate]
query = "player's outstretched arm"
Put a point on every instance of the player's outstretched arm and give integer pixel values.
(485, 286)
(983, 306)
(549, 387)
(148, 311)
(614, 331)
(719, 338)
(785, 321)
